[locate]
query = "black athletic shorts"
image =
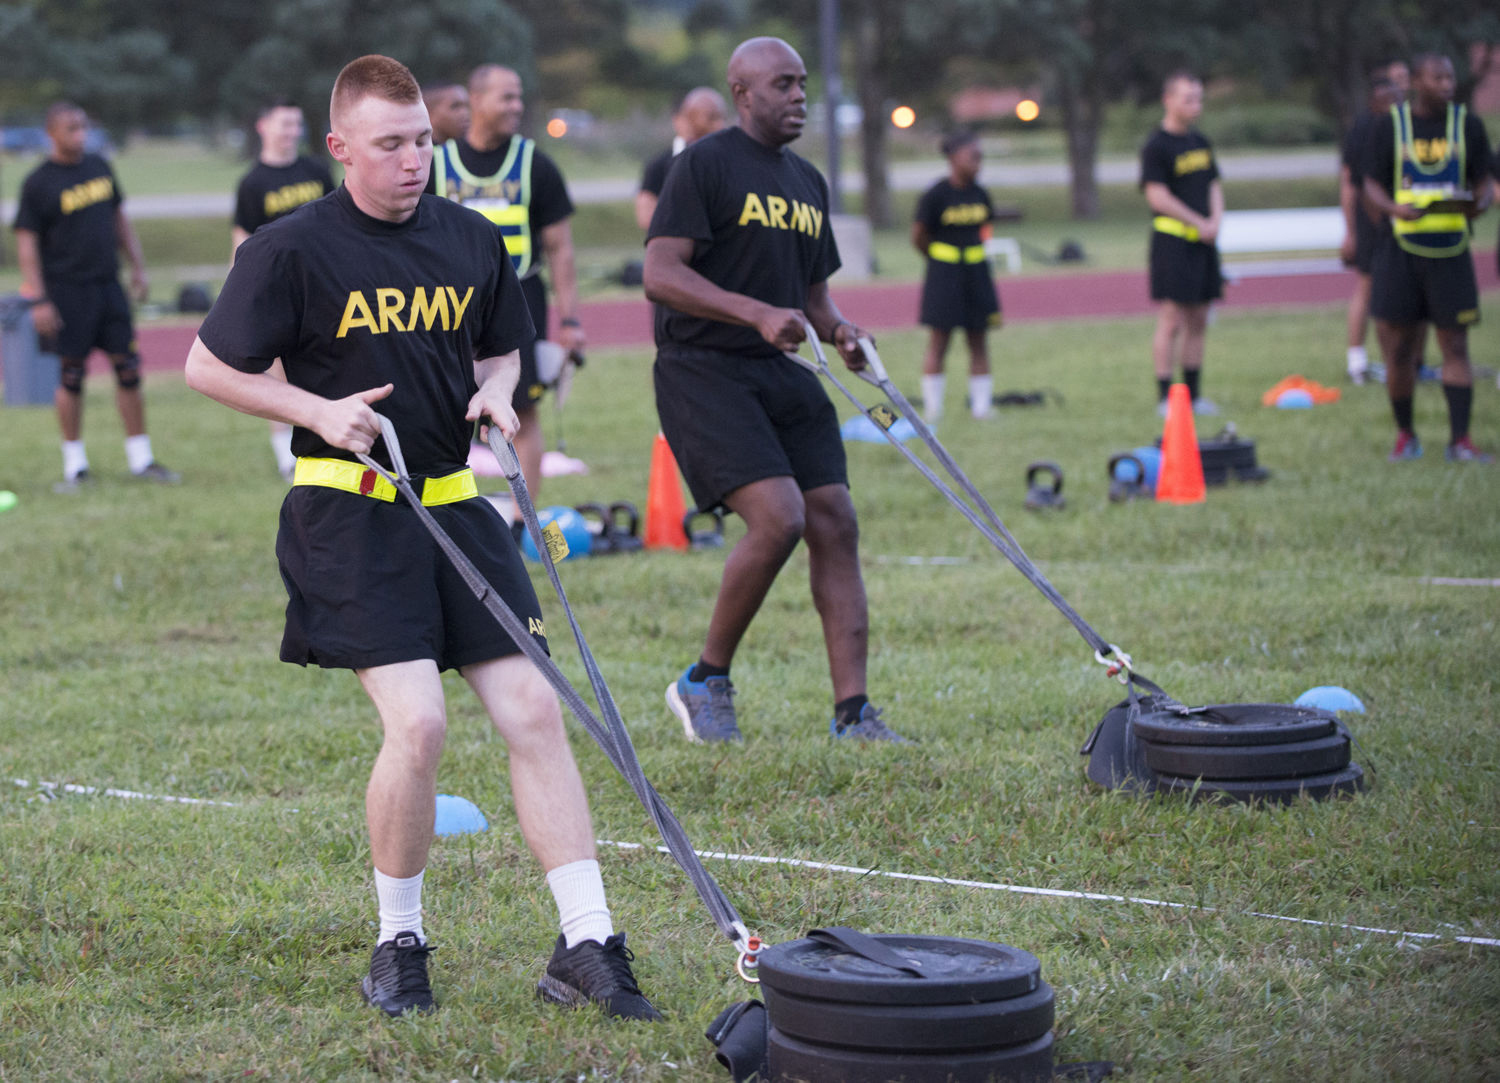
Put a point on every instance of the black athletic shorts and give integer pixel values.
(1366, 241)
(1184, 271)
(959, 295)
(529, 390)
(94, 314)
(731, 420)
(368, 586)
(1407, 289)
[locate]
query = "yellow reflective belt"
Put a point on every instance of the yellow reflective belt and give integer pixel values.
(361, 480)
(951, 253)
(1175, 228)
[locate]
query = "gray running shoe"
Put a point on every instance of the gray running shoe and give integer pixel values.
(397, 981)
(591, 971)
(869, 727)
(1205, 407)
(158, 473)
(705, 708)
(73, 484)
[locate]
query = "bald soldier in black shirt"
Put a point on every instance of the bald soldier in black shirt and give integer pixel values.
(737, 257)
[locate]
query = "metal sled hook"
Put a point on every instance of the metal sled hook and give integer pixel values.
(1118, 667)
(749, 957)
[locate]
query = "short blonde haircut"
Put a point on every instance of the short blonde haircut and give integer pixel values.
(372, 76)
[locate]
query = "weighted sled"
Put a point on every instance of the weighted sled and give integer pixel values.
(793, 1060)
(1273, 790)
(1226, 724)
(911, 1028)
(1292, 759)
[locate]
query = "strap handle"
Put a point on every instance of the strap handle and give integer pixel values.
(866, 947)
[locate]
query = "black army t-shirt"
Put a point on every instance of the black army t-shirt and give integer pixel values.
(655, 173)
(71, 209)
(955, 216)
(758, 217)
(350, 302)
(1184, 163)
(269, 191)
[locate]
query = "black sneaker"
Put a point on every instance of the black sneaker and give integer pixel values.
(155, 471)
(73, 484)
(596, 972)
(397, 981)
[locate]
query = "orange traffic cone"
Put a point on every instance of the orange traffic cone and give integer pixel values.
(664, 505)
(1180, 480)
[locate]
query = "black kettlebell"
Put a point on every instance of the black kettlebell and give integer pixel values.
(597, 519)
(1123, 489)
(623, 527)
(711, 538)
(1040, 495)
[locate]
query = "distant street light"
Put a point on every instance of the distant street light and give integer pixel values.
(1028, 110)
(557, 127)
(903, 116)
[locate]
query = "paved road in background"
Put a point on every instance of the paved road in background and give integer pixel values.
(905, 176)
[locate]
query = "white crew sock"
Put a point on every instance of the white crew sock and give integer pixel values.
(933, 388)
(281, 444)
(981, 394)
(75, 459)
(138, 452)
(583, 913)
(1358, 361)
(400, 903)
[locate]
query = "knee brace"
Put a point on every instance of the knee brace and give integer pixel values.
(127, 370)
(71, 374)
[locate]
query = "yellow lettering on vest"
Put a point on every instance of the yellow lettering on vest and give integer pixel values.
(459, 306)
(776, 206)
(356, 314)
(390, 302)
(1429, 151)
(753, 211)
(428, 312)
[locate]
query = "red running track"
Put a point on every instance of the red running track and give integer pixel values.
(626, 322)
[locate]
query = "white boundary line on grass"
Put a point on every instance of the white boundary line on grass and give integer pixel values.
(53, 788)
(1447, 581)
(1055, 893)
(853, 870)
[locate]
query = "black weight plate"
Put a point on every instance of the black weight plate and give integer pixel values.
(1279, 791)
(942, 1028)
(792, 1061)
(958, 971)
(1316, 757)
(1223, 724)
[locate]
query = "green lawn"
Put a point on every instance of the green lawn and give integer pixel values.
(143, 939)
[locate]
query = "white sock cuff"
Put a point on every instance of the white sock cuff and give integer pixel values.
(74, 458)
(138, 452)
(400, 902)
(582, 910)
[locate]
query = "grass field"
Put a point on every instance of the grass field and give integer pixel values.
(144, 939)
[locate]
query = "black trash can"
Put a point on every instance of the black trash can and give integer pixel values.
(30, 375)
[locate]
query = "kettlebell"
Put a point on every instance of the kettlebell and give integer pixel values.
(597, 519)
(711, 538)
(1127, 477)
(623, 527)
(1039, 495)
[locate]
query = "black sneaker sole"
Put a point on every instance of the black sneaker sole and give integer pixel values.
(553, 991)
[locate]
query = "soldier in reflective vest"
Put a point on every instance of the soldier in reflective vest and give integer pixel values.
(501, 173)
(1425, 170)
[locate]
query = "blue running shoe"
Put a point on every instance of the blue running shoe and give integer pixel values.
(705, 708)
(1407, 447)
(869, 727)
